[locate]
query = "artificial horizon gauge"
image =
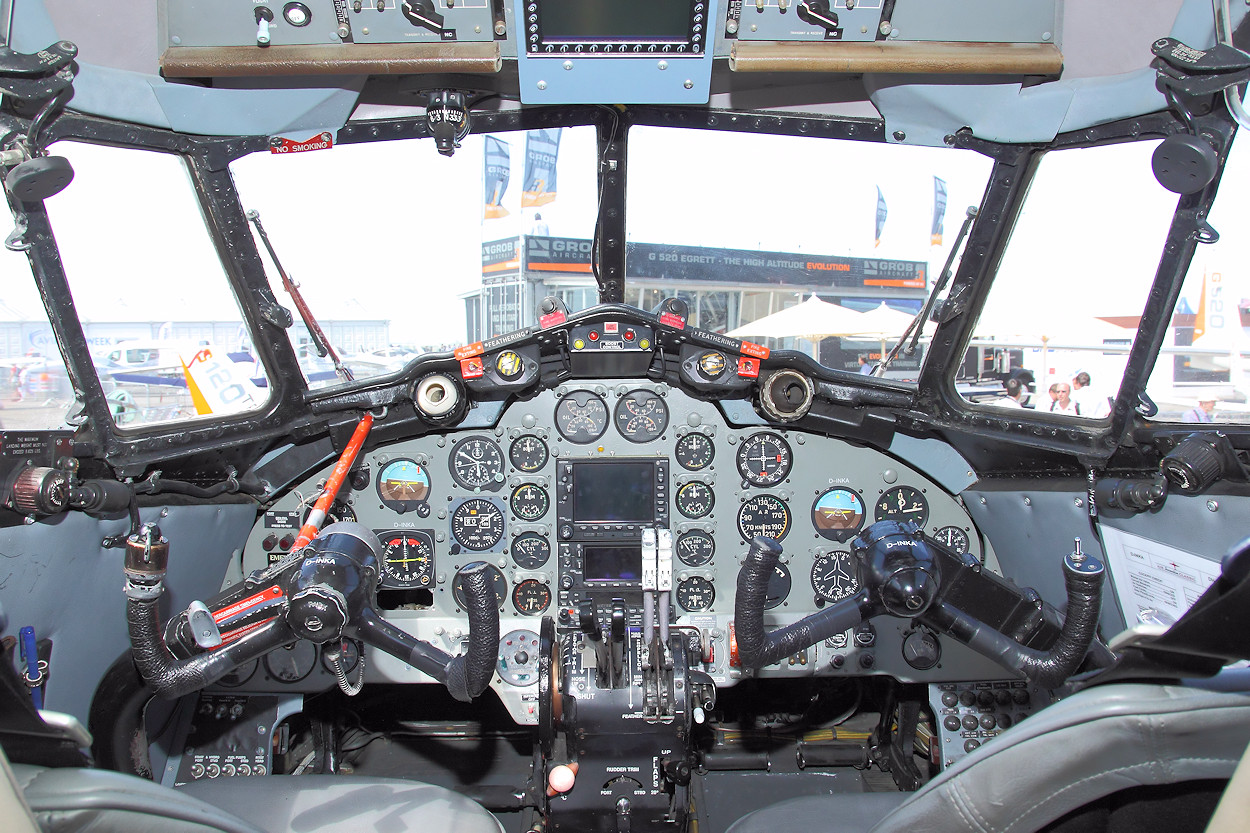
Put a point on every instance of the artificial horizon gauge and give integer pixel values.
(531, 597)
(476, 463)
(695, 594)
(530, 550)
(528, 453)
(477, 524)
(695, 499)
(407, 557)
(694, 452)
(838, 514)
(764, 459)
(695, 549)
(953, 537)
(581, 417)
(641, 416)
(903, 503)
(498, 583)
(404, 485)
(529, 502)
(834, 575)
(764, 516)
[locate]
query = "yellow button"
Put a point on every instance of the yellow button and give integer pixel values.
(645, 343)
(578, 344)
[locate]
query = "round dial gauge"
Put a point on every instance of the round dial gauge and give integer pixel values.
(764, 459)
(834, 575)
(711, 365)
(476, 463)
(695, 548)
(764, 515)
(695, 499)
(530, 551)
(838, 514)
(403, 485)
(518, 658)
(953, 537)
(694, 452)
(529, 502)
(903, 503)
(581, 417)
(291, 663)
(528, 453)
(477, 524)
(531, 597)
(498, 583)
(641, 416)
(696, 593)
(408, 558)
(778, 587)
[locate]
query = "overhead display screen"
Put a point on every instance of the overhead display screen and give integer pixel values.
(614, 492)
(582, 21)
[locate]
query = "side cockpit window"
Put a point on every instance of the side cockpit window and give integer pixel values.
(1055, 333)
(167, 337)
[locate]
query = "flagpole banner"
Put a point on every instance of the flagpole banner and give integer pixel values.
(542, 148)
(498, 171)
(881, 212)
(939, 211)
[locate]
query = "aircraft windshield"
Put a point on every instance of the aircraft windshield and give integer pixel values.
(795, 238)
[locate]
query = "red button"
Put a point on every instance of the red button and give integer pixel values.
(594, 335)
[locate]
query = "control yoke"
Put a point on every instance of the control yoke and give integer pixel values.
(324, 593)
(904, 573)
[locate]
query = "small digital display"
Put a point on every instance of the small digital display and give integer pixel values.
(584, 21)
(614, 492)
(612, 563)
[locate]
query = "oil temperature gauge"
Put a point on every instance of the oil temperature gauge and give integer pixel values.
(641, 416)
(531, 597)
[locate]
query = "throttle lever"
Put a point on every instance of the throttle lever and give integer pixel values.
(588, 623)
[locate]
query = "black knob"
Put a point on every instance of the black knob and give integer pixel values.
(1194, 464)
(951, 723)
(1020, 697)
(987, 721)
(836, 661)
(949, 699)
(566, 582)
(970, 722)
(1002, 697)
(967, 698)
(867, 660)
(970, 745)
(985, 698)
(1005, 721)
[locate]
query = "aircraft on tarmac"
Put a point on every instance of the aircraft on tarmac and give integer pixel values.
(604, 567)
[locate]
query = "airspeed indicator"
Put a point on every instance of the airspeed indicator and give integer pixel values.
(766, 516)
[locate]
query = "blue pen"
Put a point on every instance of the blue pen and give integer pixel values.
(30, 655)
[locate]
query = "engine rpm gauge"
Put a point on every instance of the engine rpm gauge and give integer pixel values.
(837, 514)
(581, 417)
(531, 597)
(529, 502)
(528, 453)
(953, 537)
(477, 524)
(695, 548)
(903, 503)
(498, 583)
(696, 593)
(764, 459)
(764, 515)
(530, 551)
(641, 416)
(403, 485)
(695, 499)
(694, 452)
(407, 558)
(476, 463)
(834, 575)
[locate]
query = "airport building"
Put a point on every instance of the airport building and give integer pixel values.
(724, 288)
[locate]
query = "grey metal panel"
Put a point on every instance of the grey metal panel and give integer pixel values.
(769, 23)
(1032, 531)
(55, 577)
(991, 21)
(936, 459)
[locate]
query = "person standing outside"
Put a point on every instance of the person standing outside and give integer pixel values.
(1063, 403)
(1091, 403)
(865, 366)
(1203, 412)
